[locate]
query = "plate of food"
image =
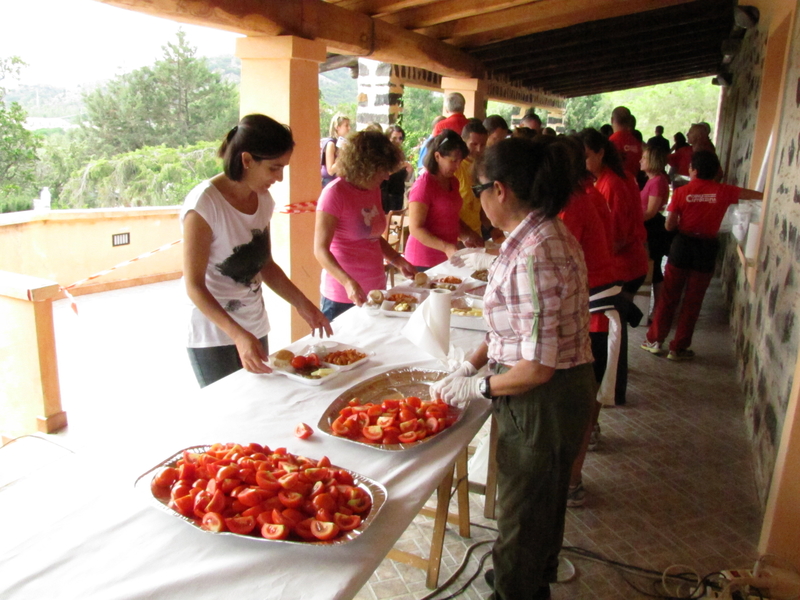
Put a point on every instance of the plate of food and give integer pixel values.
(467, 313)
(400, 304)
(480, 275)
(392, 411)
(266, 496)
(304, 367)
(343, 356)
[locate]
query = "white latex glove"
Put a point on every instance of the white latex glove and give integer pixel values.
(474, 258)
(459, 391)
(466, 369)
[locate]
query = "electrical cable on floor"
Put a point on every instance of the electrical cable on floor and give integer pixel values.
(461, 568)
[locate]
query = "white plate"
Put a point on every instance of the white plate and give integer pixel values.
(299, 378)
(468, 322)
(339, 346)
(387, 310)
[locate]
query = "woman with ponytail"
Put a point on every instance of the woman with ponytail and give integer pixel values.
(540, 379)
(227, 254)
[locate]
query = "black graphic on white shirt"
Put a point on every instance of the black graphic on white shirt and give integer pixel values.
(245, 263)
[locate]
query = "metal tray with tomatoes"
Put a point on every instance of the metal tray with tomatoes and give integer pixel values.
(250, 500)
(377, 391)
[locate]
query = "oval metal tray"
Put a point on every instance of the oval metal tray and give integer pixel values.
(375, 490)
(397, 383)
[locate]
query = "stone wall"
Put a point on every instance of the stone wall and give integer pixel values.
(764, 319)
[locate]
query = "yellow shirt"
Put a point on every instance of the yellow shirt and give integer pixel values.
(471, 206)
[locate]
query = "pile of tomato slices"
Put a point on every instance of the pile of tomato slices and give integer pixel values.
(393, 421)
(252, 490)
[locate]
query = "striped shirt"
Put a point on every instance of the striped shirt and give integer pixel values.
(537, 298)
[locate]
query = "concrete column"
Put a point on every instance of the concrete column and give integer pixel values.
(380, 94)
(475, 92)
(280, 79)
(30, 396)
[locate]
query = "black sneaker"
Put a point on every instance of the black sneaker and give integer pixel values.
(542, 594)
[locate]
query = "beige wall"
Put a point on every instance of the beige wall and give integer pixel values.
(69, 245)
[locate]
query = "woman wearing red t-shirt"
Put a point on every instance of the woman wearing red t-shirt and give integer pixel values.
(627, 228)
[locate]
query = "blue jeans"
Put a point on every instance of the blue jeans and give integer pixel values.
(332, 309)
(212, 364)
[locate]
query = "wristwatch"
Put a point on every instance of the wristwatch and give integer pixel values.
(484, 387)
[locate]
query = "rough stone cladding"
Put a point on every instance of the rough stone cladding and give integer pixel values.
(765, 319)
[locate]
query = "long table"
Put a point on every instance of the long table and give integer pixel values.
(81, 531)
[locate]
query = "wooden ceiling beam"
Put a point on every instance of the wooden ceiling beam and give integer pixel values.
(584, 86)
(545, 46)
(340, 29)
(647, 48)
(535, 17)
(446, 10)
(381, 7)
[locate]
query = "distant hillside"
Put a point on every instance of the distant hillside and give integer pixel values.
(47, 101)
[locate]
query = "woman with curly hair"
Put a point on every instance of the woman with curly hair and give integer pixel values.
(350, 221)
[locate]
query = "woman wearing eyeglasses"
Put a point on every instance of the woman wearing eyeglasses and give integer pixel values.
(434, 204)
(227, 254)
(541, 381)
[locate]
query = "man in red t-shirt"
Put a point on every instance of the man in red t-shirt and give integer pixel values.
(629, 148)
(454, 104)
(696, 211)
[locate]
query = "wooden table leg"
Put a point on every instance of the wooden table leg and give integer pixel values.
(462, 487)
(439, 528)
(491, 474)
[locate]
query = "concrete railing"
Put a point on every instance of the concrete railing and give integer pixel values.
(42, 251)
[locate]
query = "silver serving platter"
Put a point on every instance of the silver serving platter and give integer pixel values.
(397, 383)
(375, 490)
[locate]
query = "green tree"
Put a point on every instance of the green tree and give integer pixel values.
(420, 108)
(587, 111)
(151, 176)
(177, 101)
(17, 146)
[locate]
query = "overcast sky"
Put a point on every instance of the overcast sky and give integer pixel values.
(71, 42)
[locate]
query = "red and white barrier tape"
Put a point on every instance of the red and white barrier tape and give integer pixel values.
(300, 207)
(66, 289)
(289, 209)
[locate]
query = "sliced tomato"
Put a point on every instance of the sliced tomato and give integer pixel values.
(217, 502)
(374, 410)
(303, 529)
(290, 499)
(274, 532)
(312, 360)
(166, 477)
(373, 433)
(240, 525)
(264, 518)
(432, 424)
(342, 426)
(251, 497)
(385, 421)
(267, 482)
(343, 477)
(324, 530)
(230, 471)
(299, 362)
(187, 472)
(289, 480)
(390, 405)
(303, 431)
(410, 425)
(213, 522)
(228, 485)
(407, 415)
(159, 491)
(407, 437)
(325, 501)
(346, 522)
(414, 401)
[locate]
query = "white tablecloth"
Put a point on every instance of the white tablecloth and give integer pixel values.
(82, 531)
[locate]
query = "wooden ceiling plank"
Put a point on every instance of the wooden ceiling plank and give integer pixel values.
(340, 29)
(585, 86)
(642, 49)
(547, 46)
(447, 10)
(539, 16)
(381, 7)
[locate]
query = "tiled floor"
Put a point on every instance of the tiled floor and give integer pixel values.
(670, 484)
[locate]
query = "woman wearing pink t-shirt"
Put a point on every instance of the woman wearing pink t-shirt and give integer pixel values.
(654, 198)
(434, 204)
(350, 221)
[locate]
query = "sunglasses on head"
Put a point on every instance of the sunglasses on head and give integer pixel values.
(481, 187)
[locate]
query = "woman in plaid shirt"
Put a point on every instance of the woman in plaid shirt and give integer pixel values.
(538, 351)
